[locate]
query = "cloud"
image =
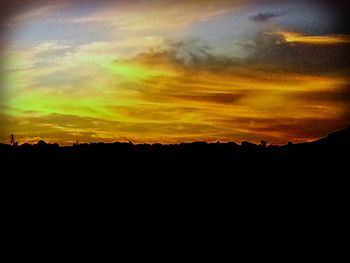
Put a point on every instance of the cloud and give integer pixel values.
(297, 37)
(36, 11)
(194, 104)
(290, 129)
(264, 17)
(339, 96)
(160, 15)
(66, 129)
(212, 97)
(167, 93)
(275, 52)
(266, 51)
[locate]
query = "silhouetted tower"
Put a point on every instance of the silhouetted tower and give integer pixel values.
(12, 139)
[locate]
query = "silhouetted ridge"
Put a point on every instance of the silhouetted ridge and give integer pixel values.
(340, 137)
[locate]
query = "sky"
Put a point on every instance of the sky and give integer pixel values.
(173, 71)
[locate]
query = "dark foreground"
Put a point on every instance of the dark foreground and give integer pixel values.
(330, 154)
(256, 184)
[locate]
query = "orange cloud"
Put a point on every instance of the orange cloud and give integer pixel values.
(296, 37)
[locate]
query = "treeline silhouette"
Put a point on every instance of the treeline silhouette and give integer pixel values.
(331, 152)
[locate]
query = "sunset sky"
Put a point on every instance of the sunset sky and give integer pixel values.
(172, 71)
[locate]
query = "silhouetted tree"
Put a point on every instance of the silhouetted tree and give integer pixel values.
(263, 143)
(41, 143)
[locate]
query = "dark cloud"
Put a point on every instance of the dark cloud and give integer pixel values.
(340, 12)
(341, 96)
(193, 53)
(272, 51)
(265, 51)
(220, 98)
(264, 17)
